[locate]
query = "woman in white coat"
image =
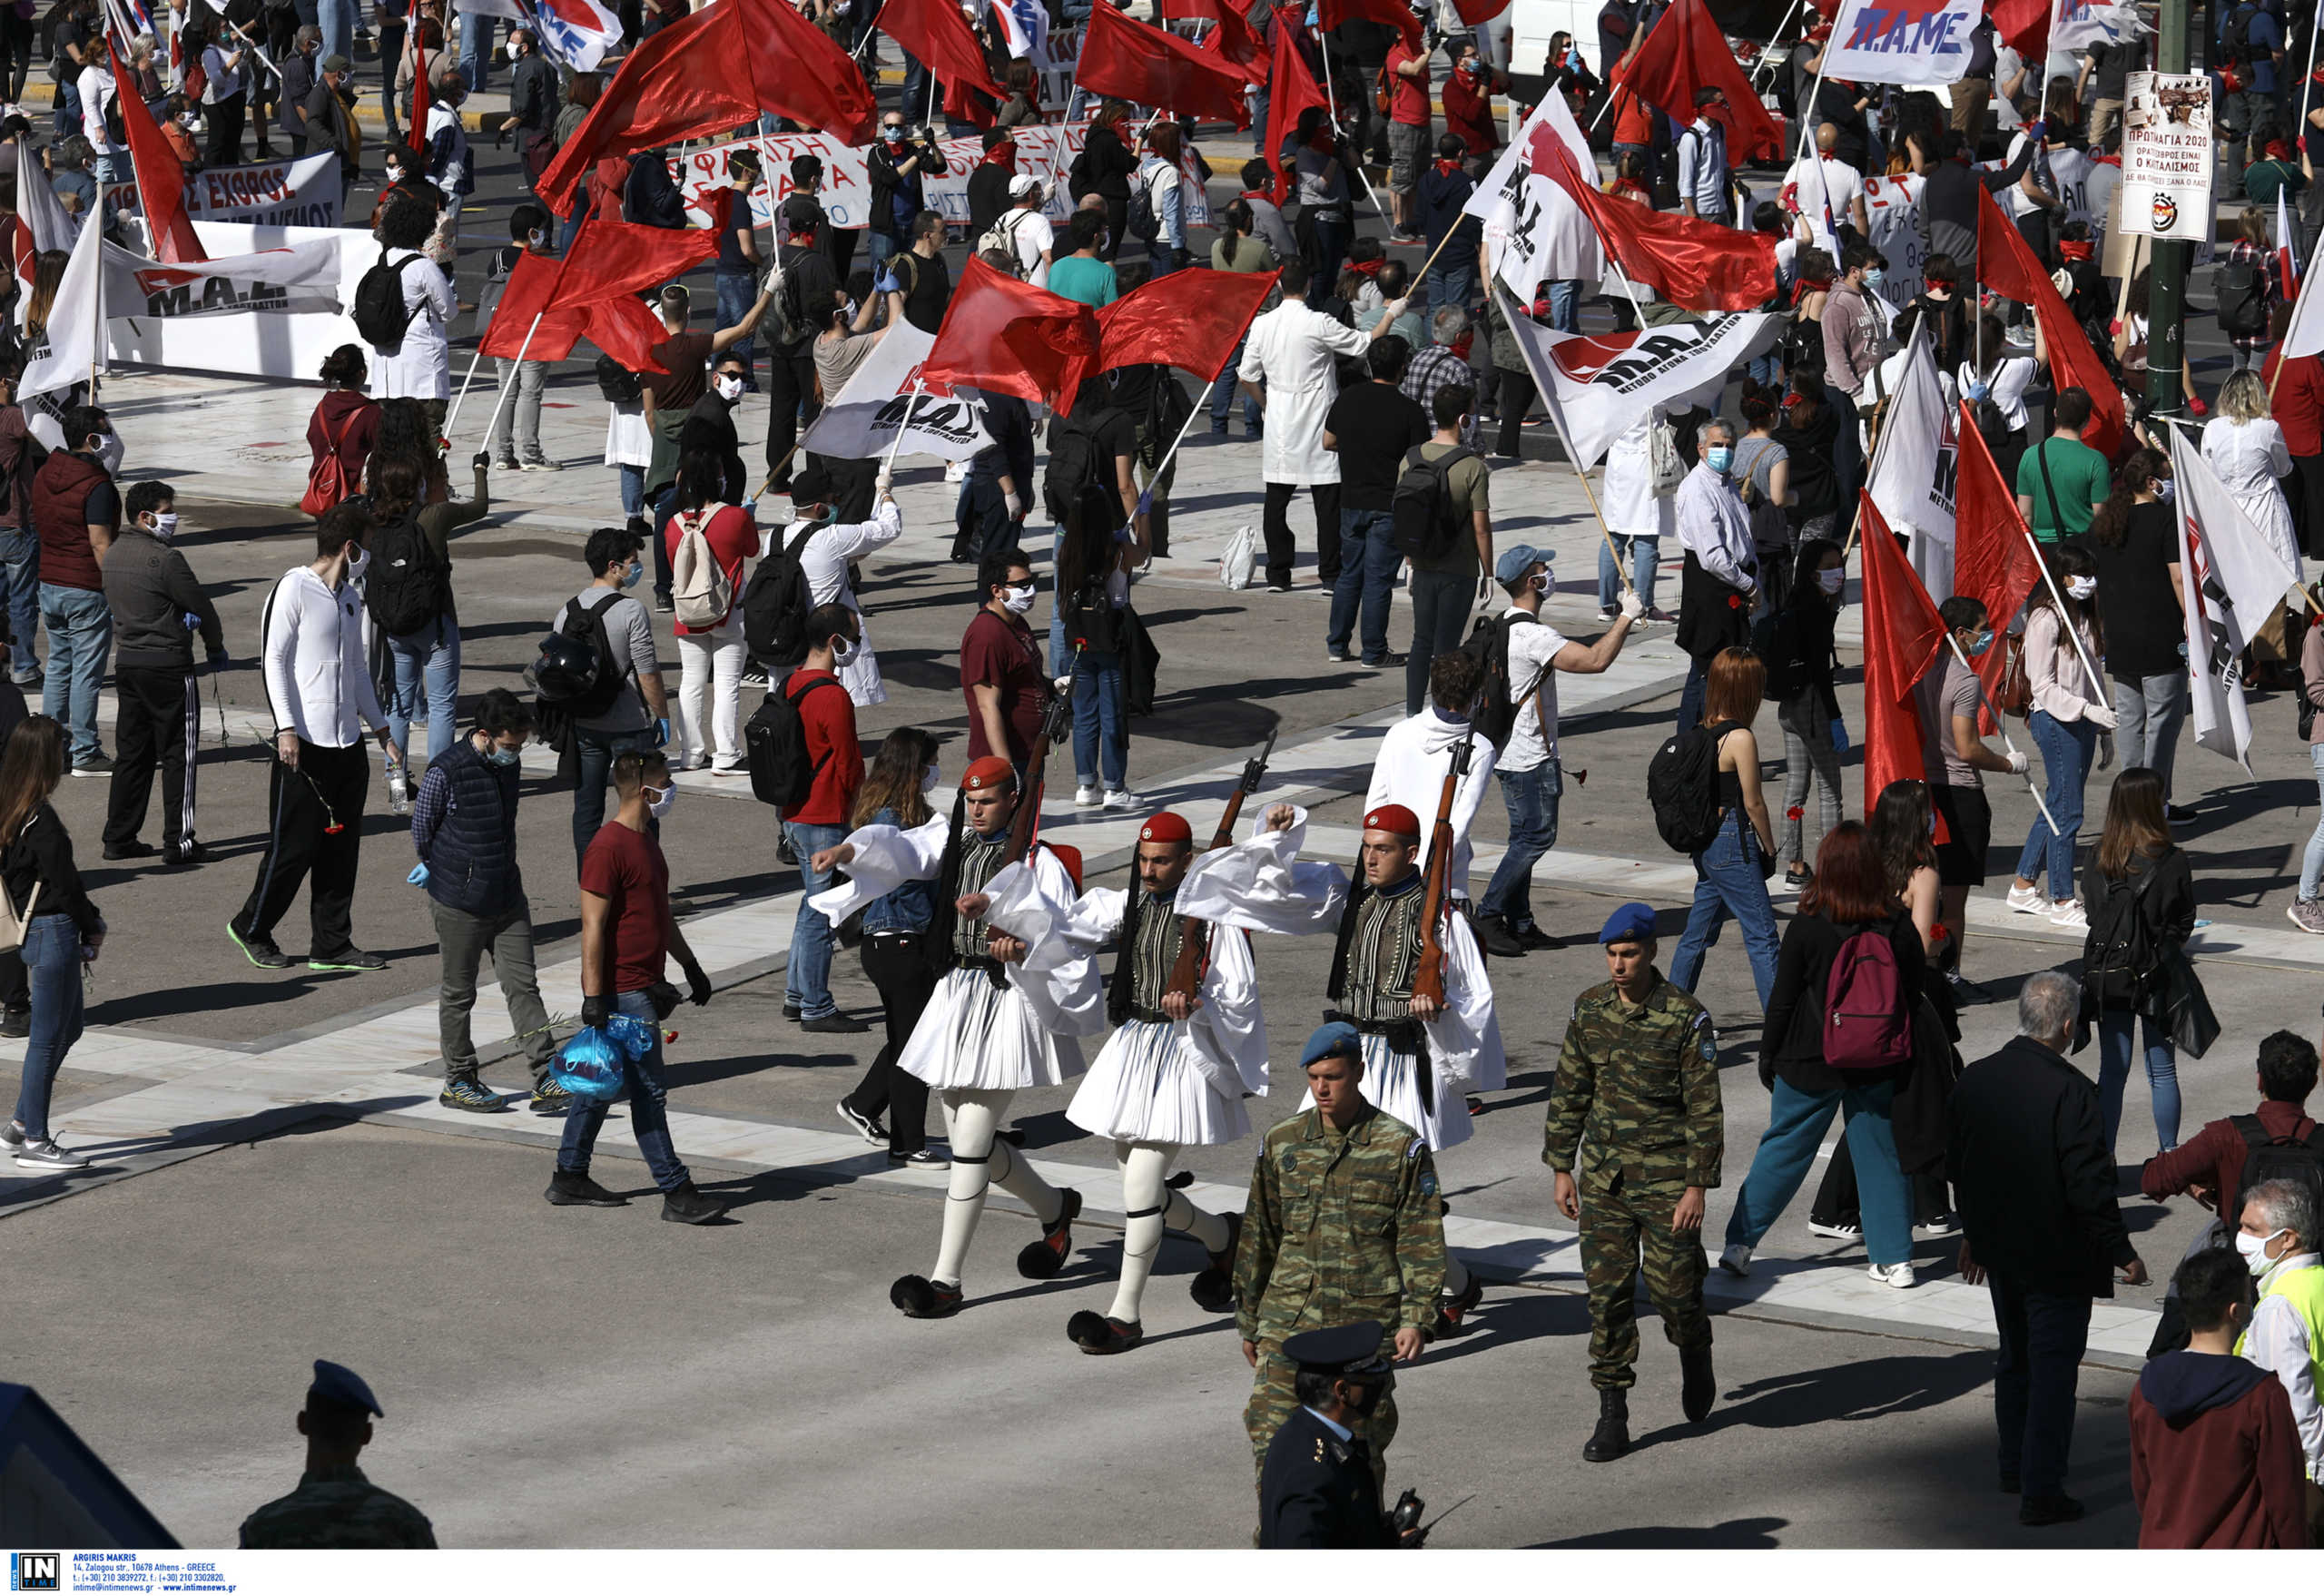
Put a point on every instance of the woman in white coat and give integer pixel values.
(1637, 515)
(824, 560)
(2245, 447)
(1287, 365)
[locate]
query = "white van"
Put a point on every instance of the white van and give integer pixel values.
(1531, 24)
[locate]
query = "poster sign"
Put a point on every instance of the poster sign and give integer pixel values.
(2168, 155)
(273, 194)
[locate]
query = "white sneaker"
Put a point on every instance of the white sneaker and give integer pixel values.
(1085, 797)
(1942, 1224)
(2028, 901)
(1896, 1276)
(2068, 916)
(1736, 1260)
(1122, 798)
(1836, 1232)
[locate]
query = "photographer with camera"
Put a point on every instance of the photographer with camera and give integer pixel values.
(899, 163)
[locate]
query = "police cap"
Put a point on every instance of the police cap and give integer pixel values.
(1344, 1349)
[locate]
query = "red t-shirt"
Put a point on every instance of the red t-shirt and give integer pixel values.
(1410, 103)
(1003, 653)
(627, 869)
(829, 718)
(733, 540)
(2298, 403)
(1633, 122)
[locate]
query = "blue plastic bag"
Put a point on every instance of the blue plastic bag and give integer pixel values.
(589, 1064)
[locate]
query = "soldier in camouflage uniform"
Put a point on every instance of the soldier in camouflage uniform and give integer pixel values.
(1344, 1223)
(335, 1506)
(1637, 1098)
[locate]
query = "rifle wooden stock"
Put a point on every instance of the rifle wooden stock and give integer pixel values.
(1193, 936)
(1428, 977)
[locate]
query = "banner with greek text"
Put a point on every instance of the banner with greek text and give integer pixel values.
(861, 423)
(2168, 155)
(1599, 386)
(304, 193)
(1917, 42)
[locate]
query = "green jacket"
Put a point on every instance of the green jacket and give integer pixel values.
(1340, 1228)
(1637, 1090)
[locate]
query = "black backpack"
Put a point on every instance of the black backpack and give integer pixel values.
(407, 582)
(379, 312)
(1775, 638)
(1079, 481)
(116, 133)
(776, 740)
(775, 607)
(2235, 38)
(1801, 344)
(1682, 786)
(2119, 955)
(2279, 1158)
(617, 383)
(575, 674)
(2242, 298)
(1500, 701)
(1424, 522)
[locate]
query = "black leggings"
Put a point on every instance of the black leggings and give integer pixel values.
(899, 968)
(17, 36)
(1516, 398)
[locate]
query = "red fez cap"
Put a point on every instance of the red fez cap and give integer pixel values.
(1166, 827)
(1069, 857)
(988, 773)
(1393, 817)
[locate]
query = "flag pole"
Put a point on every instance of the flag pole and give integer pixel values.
(1332, 102)
(2097, 686)
(888, 467)
(1549, 403)
(1770, 44)
(1145, 499)
(2000, 725)
(507, 389)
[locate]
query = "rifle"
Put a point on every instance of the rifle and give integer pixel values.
(1056, 723)
(1428, 980)
(1193, 936)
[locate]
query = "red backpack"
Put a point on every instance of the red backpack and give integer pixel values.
(327, 483)
(1865, 1026)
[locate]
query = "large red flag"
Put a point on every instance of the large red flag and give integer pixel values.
(1232, 40)
(1695, 265)
(1902, 634)
(1133, 61)
(723, 66)
(2023, 24)
(938, 38)
(2007, 266)
(1010, 337)
(1684, 51)
(415, 129)
(1291, 90)
(1395, 13)
(1477, 13)
(1190, 319)
(610, 263)
(1992, 553)
(160, 179)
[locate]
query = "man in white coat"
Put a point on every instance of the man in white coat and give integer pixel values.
(1015, 995)
(825, 552)
(1287, 365)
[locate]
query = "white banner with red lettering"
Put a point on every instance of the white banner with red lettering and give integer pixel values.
(1598, 387)
(270, 303)
(304, 193)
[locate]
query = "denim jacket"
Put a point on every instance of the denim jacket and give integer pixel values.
(908, 908)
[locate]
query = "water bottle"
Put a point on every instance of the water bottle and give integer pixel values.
(398, 787)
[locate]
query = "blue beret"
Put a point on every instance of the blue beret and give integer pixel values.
(1344, 1349)
(1334, 1037)
(1630, 923)
(337, 1383)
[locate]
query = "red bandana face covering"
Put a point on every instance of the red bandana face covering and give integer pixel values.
(2075, 250)
(1003, 155)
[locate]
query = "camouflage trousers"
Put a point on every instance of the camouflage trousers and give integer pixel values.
(1273, 1400)
(1622, 1217)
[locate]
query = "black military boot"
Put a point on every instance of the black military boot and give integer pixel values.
(1611, 1438)
(1699, 1388)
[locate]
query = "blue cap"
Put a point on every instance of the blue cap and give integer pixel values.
(1331, 1039)
(1344, 1349)
(1515, 562)
(1632, 922)
(337, 1383)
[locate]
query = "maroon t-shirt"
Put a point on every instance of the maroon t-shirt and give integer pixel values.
(1003, 653)
(627, 869)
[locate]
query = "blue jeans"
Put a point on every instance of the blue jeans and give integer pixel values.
(1728, 883)
(1565, 304)
(1767, 369)
(2312, 863)
(1367, 582)
(736, 293)
(1531, 797)
(51, 955)
(1450, 285)
(80, 639)
(1642, 553)
(1221, 396)
(1101, 721)
(476, 48)
(68, 110)
(882, 245)
(649, 1113)
(1161, 258)
(20, 570)
(807, 974)
(337, 20)
(2042, 1338)
(633, 490)
(2067, 748)
(1332, 234)
(1441, 602)
(1691, 696)
(594, 752)
(1796, 1124)
(432, 653)
(2114, 1073)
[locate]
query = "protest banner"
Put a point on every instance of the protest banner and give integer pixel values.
(1915, 42)
(2168, 155)
(304, 193)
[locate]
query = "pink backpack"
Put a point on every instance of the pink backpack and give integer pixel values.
(1865, 1026)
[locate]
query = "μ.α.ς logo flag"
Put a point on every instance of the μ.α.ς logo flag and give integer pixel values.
(36, 1570)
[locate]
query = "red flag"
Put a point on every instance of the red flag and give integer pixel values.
(937, 37)
(1992, 553)
(2007, 266)
(1477, 13)
(160, 179)
(1010, 337)
(1395, 13)
(2023, 24)
(1684, 51)
(1902, 633)
(723, 66)
(1133, 61)
(414, 130)
(1232, 40)
(583, 295)
(1291, 90)
(1695, 264)
(1193, 324)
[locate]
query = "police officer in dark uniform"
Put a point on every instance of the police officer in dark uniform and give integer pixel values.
(1316, 1488)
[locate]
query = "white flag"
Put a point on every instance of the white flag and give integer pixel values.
(2232, 580)
(2076, 24)
(2305, 335)
(1597, 387)
(861, 423)
(296, 277)
(69, 347)
(1902, 41)
(1914, 463)
(1534, 229)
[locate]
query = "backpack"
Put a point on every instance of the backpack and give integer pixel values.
(2235, 38)
(787, 312)
(1143, 222)
(116, 134)
(379, 312)
(2280, 1158)
(575, 674)
(1078, 480)
(1682, 787)
(2120, 944)
(1865, 1026)
(617, 383)
(327, 482)
(1001, 236)
(1501, 702)
(2242, 297)
(775, 607)
(700, 589)
(406, 585)
(775, 742)
(1801, 345)
(1423, 524)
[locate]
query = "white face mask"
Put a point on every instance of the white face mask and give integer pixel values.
(356, 564)
(1541, 583)
(1019, 600)
(730, 389)
(2254, 1249)
(658, 800)
(843, 652)
(109, 451)
(929, 778)
(165, 525)
(1831, 582)
(2080, 588)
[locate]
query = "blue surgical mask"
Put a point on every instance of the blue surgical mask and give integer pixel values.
(1980, 642)
(634, 574)
(1719, 457)
(503, 757)
(1872, 276)
(2166, 490)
